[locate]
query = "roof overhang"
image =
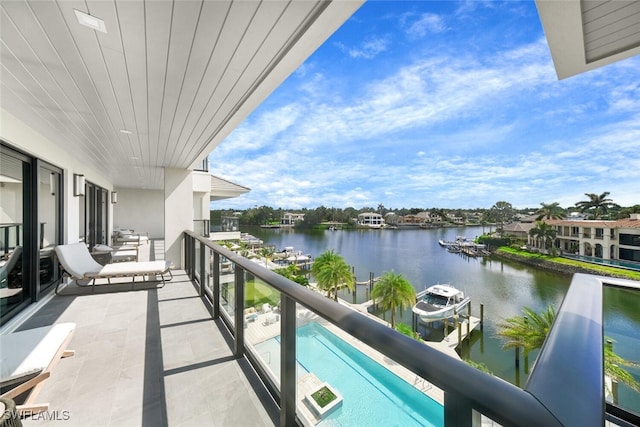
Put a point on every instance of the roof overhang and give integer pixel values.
(223, 189)
(587, 34)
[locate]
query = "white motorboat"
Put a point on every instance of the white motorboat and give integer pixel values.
(440, 301)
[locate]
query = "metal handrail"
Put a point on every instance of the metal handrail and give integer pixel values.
(567, 375)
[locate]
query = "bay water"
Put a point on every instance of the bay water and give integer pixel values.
(503, 287)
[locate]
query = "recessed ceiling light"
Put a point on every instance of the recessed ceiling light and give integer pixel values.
(125, 131)
(90, 21)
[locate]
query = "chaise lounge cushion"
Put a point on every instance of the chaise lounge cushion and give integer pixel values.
(78, 263)
(125, 269)
(25, 354)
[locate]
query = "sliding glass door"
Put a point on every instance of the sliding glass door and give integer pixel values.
(15, 226)
(30, 227)
(94, 215)
(49, 222)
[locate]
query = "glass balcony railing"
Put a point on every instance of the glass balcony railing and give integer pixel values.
(284, 330)
(201, 227)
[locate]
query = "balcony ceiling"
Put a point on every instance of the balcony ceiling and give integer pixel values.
(166, 83)
(587, 34)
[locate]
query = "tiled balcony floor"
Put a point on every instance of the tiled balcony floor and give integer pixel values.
(148, 357)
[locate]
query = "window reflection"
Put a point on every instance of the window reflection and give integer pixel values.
(13, 290)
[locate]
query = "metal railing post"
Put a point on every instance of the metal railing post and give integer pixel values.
(203, 275)
(238, 344)
(189, 251)
(216, 285)
(287, 361)
(458, 411)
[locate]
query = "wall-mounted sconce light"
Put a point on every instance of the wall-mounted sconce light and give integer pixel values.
(78, 185)
(114, 197)
(52, 183)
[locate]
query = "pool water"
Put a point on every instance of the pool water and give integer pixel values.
(372, 395)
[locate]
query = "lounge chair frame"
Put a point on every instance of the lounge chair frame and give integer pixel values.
(77, 264)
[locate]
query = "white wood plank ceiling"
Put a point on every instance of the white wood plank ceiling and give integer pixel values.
(166, 82)
(610, 27)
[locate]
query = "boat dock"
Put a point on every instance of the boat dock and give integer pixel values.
(465, 246)
(456, 331)
(457, 335)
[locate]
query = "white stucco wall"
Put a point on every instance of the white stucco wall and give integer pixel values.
(140, 210)
(178, 202)
(201, 194)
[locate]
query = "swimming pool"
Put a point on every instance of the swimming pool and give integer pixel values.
(372, 395)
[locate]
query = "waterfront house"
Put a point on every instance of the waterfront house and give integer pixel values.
(108, 111)
(518, 229)
(409, 220)
(370, 220)
(456, 219)
(429, 216)
(619, 239)
(291, 219)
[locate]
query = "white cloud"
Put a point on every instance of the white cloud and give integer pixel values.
(449, 130)
(368, 49)
(426, 23)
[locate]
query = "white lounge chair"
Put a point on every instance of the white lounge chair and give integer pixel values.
(79, 265)
(27, 359)
(10, 287)
(130, 237)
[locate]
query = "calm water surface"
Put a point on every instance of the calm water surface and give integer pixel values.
(503, 287)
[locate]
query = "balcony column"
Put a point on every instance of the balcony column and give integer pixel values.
(178, 194)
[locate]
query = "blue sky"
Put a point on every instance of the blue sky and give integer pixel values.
(438, 104)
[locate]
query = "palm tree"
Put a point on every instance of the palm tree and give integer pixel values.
(266, 252)
(293, 273)
(550, 211)
(393, 291)
(544, 232)
(331, 271)
(598, 204)
(530, 331)
(613, 367)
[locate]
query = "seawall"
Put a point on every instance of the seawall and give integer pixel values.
(550, 265)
